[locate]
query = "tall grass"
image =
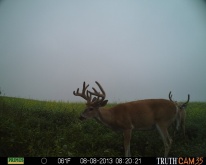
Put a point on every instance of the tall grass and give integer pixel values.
(49, 128)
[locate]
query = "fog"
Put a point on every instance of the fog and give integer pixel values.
(134, 49)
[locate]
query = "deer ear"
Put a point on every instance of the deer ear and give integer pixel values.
(103, 103)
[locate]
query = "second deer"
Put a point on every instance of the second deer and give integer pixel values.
(181, 115)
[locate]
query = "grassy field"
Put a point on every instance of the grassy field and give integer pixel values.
(48, 128)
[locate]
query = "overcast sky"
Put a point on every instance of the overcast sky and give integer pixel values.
(134, 49)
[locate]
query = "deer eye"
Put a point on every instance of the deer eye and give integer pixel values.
(91, 108)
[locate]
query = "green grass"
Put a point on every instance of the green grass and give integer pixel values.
(48, 128)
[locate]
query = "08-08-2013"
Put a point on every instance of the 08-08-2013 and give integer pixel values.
(110, 161)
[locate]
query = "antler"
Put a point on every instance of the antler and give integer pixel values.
(183, 105)
(87, 96)
(98, 94)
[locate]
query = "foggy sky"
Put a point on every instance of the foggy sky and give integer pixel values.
(134, 49)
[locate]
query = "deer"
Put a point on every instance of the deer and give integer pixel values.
(181, 115)
(145, 114)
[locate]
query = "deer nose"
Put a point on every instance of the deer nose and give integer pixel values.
(82, 118)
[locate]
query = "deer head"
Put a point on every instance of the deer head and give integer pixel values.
(181, 115)
(180, 105)
(93, 104)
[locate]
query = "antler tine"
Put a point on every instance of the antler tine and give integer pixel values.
(170, 96)
(188, 99)
(83, 95)
(100, 87)
(89, 96)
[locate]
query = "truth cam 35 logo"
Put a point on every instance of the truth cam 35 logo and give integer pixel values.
(180, 160)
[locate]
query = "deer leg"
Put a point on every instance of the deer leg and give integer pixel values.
(183, 128)
(127, 138)
(178, 121)
(183, 122)
(165, 137)
(169, 138)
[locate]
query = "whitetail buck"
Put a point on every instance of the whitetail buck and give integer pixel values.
(181, 115)
(140, 115)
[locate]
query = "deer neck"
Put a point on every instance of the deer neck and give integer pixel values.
(104, 116)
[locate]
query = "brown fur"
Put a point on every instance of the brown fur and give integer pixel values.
(141, 114)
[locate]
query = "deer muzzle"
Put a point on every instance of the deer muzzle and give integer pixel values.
(82, 118)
